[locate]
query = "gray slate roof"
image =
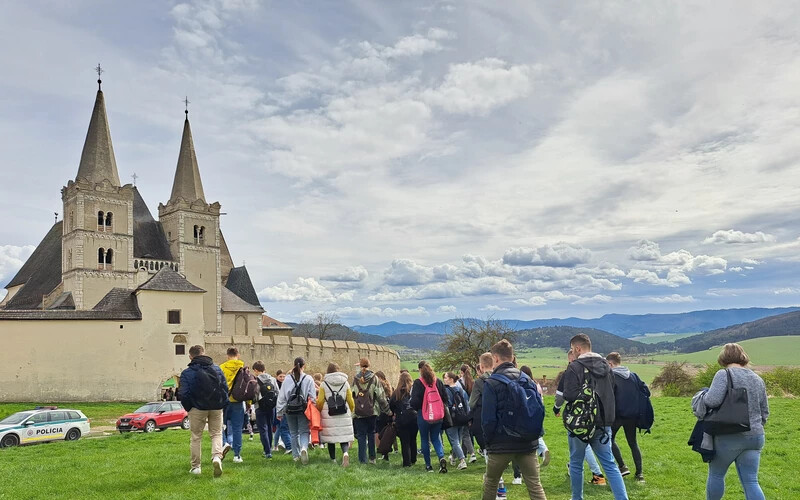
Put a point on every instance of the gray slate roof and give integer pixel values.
(64, 301)
(239, 283)
(118, 304)
(97, 159)
(233, 303)
(149, 240)
(120, 300)
(167, 280)
(41, 274)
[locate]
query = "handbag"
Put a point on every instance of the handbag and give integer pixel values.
(386, 439)
(733, 415)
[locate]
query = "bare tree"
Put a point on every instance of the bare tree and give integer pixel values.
(467, 339)
(324, 326)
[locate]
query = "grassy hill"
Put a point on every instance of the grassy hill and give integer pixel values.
(767, 351)
(559, 336)
(772, 326)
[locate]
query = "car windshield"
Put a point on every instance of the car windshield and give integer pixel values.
(16, 418)
(149, 408)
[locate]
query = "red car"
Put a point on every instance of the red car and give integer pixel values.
(154, 416)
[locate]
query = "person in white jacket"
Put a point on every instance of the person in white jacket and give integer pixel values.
(297, 390)
(337, 428)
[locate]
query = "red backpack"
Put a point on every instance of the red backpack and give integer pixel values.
(432, 404)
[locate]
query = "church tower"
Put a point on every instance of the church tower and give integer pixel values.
(97, 232)
(192, 228)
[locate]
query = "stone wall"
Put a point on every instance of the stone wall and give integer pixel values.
(278, 353)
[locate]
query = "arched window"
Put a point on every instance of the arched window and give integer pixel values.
(196, 234)
(100, 220)
(101, 258)
(152, 267)
(109, 259)
(109, 221)
(201, 235)
(136, 264)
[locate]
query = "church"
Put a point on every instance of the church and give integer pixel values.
(110, 301)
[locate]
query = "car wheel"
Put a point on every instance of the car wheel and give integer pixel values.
(9, 440)
(185, 424)
(73, 435)
(150, 426)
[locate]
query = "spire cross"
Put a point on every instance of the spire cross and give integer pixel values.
(99, 71)
(134, 178)
(186, 102)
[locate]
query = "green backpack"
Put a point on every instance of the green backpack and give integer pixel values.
(580, 416)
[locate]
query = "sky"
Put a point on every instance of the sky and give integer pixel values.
(416, 161)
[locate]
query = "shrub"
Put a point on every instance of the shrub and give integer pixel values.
(705, 376)
(782, 380)
(674, 380)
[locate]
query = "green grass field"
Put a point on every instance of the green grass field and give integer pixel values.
(767, 351)
(156, 466)
(654, 338)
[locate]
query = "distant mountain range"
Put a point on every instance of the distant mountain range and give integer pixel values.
(623, 325)
(772, 326)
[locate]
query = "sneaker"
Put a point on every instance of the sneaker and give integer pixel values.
(237, 460)
(280, 446)
(303, 456)
(462, 464)
(473, 459)
(598, 479)
(287, 452)
(451, 459)
(517, 480)
(428, 468)
(195, 471)
(226, 449)
(334, 461)
(217, 463)
(372, 461)
(296, 459)
(624, 471)
(442, 466)
(345, 460)
(640, 477)
(545, 458)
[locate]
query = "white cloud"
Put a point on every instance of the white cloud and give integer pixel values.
(304, 289)
(349, 275)
(751, 262)
(559, 255)
(446, 309)
(673, 279)
(672, 299)
(12, 257)
(493, 308)
(595, 299)
(645, 250)
(731, 236)
(532, 301)
(735, 269)
(406, 272)
(786, 291)
(386, 312)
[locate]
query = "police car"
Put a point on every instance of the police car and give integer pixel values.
(43, 423)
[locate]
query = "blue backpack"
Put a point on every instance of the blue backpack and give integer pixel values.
(522, 415)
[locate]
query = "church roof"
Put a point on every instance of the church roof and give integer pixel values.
(97, 159)
(167, 280)
(187, 183)
(119, 300)
(64, 301)
(233, 303)
(240, 284)
(40, 274)
(149, 241)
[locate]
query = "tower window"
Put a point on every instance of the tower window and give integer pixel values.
(100, 220)
(109, 221)
(202, 235)
(109, 259)
(101, 259)
(174, 317)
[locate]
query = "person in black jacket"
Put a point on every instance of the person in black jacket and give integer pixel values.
(501, 447)
(204, 393)
(429, 433)
(594, 369)
(405, 419)
(628, 389)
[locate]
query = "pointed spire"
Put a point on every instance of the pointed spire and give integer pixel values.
(187, 183)
(97, 159)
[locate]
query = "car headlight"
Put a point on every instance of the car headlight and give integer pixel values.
(138, 418)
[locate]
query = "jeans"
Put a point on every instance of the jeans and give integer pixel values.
(365, 433)
(197, 422)
(466, 441)
(529, 466)
(745, 451)
(301, 435)
(234, 418)
(283, 433)
(629, 426)
(408, 444)
(430, 434)
(454, 436)
(577, 453)
(332, 449)
(264, 424)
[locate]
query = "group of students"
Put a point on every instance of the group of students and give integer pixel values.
(501, 410)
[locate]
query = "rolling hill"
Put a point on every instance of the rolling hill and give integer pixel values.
(559, 336)
(765, 351)
(772, 326)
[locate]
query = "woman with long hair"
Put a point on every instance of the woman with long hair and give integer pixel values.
(454, 433)
(337, 422)
(467, 383)
(383, 419)
(429, 431)
(297, 389)
(405, 419)
(367, 391)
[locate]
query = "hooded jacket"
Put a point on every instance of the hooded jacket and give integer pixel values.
(600, 371)
(203, 385)
(495, 398)
(336, 428)
(230, 368)
(379, 402)
(628, 389)
(307, 389)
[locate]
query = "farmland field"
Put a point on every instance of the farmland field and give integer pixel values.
(767, 351)
(654, 338)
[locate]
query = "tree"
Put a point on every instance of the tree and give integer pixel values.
(467, 339)
(325, 326)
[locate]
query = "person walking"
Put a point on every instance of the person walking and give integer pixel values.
(204, 393)
(542, 451)
(297, 390)
(234, 412)
(467, 383)
(476, 400)
(742, 448)
(628, 391)
(503, 444)
(405, 419)
(590, 369)
(456, 394)
(384, 419)
(424, 391)
(369, 403)
(336, 405)
(265, 405)
(284, 438)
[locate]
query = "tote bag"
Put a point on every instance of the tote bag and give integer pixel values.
(733, 415)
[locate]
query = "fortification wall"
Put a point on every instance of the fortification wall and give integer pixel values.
(278, 352)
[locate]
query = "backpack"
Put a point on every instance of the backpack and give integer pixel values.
(581, 416)
(458, 410)
(365, 406)
(269, 394)
(522, 415)
(296, 404)
(408, 416)
(432, 405)
(646, 417)
(336, 403)
(245, 386)
(212, 393)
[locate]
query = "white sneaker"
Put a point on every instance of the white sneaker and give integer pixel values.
(195, 471)
(462, 464)
(287, 452)
(473, 459)
(346, 460)
(217, 463)
(237, 460)
(303, 456)
(452, 460)
(280, 446)
(517, 480)
(226, 449)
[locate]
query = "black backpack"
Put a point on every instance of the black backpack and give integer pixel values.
(581, 416)
(646, 417)
(408, 416)
(269, 394)
(297, 402)
(336, 403)
(458, 409)
(245, 386)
